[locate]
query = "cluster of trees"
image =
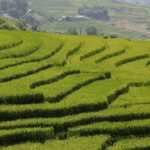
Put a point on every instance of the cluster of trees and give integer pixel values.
(12, 24)
(94, 12)
(19, 9)
(2, 21)
(90, 31)
(15, 8)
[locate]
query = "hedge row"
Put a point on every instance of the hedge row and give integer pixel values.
(81, 143)
(110, 114)
(148, 63)
(132, 143)
(55, 111)
(136, 127)
(61, 96)
(27, 73)
(110, 56)
(92, 53)
(131, 59)
(54, 79)
(50, 55)
(29, 52)
(22, 99)
(73, 51)
(125, 90)
(8, 46)
(49, 112)
(25, 135)
(34, 59)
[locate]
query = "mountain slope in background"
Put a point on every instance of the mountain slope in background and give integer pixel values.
(126, 20)
(123, 19)
(141, 2)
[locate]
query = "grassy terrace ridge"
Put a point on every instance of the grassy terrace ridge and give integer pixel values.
(132, 143)
(9, 40)
(136, 127)
(84, 143)
(55, 87)
(25, 135)
(29, 45)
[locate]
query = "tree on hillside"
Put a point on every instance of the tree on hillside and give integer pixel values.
(21, 25)
(2, 21)
(94, 12)
(91, 31)
(4, 5)
(72, 32)
(14, 12)
(21, 5)
(30, 20)
(15, 8)
(35, 28)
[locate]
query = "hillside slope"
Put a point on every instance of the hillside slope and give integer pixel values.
(126, 20)
(66, 7)
(9, 23)
(90, 91)
(140, 2)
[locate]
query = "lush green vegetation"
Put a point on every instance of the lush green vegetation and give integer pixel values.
(9, 23)
(84, 143)
(55, 87)
(138, 143)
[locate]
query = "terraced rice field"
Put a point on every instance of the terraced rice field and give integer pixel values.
(65, 92)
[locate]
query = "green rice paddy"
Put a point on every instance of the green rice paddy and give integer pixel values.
(65, 92)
